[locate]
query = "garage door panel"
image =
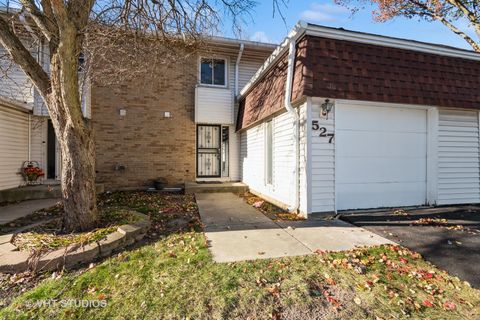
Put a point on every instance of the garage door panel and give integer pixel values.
(376, 195)
(380, 157)
(374, 170)
(361, 143)
(388, 119)
(13, 145)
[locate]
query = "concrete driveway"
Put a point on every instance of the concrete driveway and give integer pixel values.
(454, 246)
(236, 231)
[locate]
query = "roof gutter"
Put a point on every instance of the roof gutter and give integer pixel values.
(237, 63)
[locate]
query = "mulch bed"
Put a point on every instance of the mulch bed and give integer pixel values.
(49, 236)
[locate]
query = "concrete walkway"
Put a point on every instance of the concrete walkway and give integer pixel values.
(14, 211)
(236, 231)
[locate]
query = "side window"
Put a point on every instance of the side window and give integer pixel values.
(268, 152)
(213, 71)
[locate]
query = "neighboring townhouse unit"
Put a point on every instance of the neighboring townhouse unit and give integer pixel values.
(340, 120)
(26, 132)
(176, 122)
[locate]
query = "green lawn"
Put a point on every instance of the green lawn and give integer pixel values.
(174, 277)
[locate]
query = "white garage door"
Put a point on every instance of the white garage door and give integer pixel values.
(380, 157)
(13, 145)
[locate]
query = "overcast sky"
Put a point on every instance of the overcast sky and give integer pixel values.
(268, 29)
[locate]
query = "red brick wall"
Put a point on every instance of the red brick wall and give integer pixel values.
(147, 143)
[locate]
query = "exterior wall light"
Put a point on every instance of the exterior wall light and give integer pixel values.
(326, 107)
(122, 112)
(167, 114)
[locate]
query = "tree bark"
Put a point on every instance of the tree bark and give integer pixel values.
(74, 134)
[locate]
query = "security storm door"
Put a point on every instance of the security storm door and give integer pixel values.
(208, 151)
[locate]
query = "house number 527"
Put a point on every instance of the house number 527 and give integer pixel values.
(323, 131)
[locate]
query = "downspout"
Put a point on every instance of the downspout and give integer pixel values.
(237, 67)
(296, 130)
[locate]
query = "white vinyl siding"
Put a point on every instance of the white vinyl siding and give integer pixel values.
(13, 146)
(249, 65)
(458, 157)
(252, 158)
(213, 106)
(15, 85)
(234, 156)
(322, 157)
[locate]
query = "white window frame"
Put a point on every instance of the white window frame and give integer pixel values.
(200, 71)
(266, 164)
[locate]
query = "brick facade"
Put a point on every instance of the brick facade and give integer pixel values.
(147, 143)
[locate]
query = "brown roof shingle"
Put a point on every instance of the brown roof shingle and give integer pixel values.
(357, 71)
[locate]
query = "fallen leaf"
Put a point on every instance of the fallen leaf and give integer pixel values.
(357, 300)
(449, 305)
(427, 303)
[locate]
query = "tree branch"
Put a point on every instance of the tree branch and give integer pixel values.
(471, 16)
(471, 42)
(22, 57)
(427, 11)
(46, 27)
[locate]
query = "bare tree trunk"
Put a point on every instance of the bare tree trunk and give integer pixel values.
(78, 180)
(74, 134)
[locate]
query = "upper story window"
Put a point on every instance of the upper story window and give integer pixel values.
(213, 72)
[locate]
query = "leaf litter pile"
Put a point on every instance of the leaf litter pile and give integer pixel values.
(269, 209)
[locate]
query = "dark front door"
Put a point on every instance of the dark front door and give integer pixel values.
(208, 151)
(51, 152)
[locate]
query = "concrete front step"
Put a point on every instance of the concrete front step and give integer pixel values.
(42, 191)
(234, 187)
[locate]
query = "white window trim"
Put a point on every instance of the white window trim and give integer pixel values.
(266, 182)
(200, 71)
